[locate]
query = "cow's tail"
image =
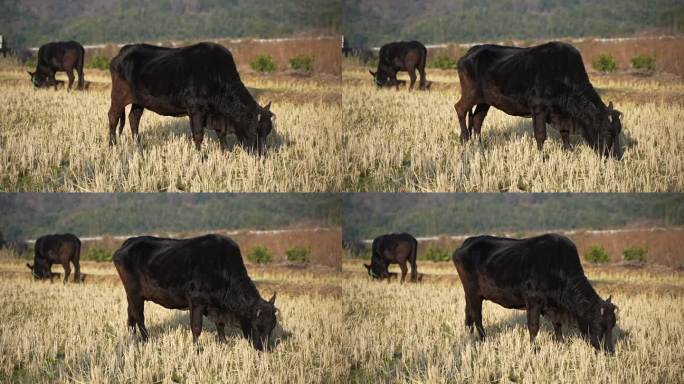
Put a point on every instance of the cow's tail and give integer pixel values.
(77, 254)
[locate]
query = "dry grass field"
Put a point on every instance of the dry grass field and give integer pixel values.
(77, 333)
(401, 141)
(57, 141)
(415, 333)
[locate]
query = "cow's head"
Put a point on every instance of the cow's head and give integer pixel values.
(609, 133)
(377, 270)
(380, 78)
(262, 322)
(40, 270)
(601, 328)
(265, 121)
(40, 79)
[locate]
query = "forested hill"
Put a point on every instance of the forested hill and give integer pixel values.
(28, 215)
(33, 22)
(368, 215)
(374, 22)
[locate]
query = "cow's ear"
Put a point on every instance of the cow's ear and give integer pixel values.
(610, 106)
(267, 107)
(272, 300)
(29, 266)
(30, 73)
(372, 73)
(609, 299)
(367, 266)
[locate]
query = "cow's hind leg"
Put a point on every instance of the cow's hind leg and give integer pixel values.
(463, 107)
(412, 76)
(404, 271)
(476, 315)
(67, 271)
(478, 118)
(134, 120)
(116, 113)
(70, 75)
(77, 270)
(136, 314)
(414, 271)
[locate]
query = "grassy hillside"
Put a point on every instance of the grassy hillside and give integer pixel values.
(367, 215)
(30, 215)
(33, 22)
(375, 22)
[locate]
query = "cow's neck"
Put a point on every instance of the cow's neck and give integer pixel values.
(580, 298)
(239, 296)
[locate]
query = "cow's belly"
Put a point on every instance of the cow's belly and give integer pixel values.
(166, 297)
(507, 297)
(161, 105)
(507, 104)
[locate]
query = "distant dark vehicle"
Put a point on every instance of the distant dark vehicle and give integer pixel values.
(547, 82)
(204, 274)
(393, 249)
(64, 56)
(542, 275)
(200, 81)
(56, 249)
(407, 56)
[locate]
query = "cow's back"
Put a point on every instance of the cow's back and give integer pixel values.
(512, 262)
(173, 263)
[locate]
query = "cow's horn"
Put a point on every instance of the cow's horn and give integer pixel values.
(29, 266)
(267, 107)
(272, 300)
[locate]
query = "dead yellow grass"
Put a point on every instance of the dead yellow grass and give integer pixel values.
(57, 141)
(77, 333)
(415, 333)
(401, 141)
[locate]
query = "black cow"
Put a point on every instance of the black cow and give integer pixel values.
(401, 56)
(64, 56)
(56, 249)
(200, 81)
(547, 82)
(204, 274)
(393, 249)
(542, 275)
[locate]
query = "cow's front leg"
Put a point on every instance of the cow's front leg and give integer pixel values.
(462, 108)
(197, 128)
(196, 313)
(539, 123)
(221, 330)
(533, 313)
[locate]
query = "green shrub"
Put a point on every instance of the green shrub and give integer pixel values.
(96, 253)
(263, 64)
(99, 62)
(260, 255)
(442, 62)
(634, 254)
(436, 254)
(644, 63)
(298, 254)
(302, 63)
(605, 63)
(597, 254)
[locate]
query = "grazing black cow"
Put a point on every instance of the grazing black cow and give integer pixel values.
(56, 249)
(547, 82)
(204, 274)
(199, 81)
(401, 56)
(393, 249)
(64, 56)
(540, 274)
